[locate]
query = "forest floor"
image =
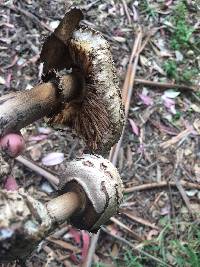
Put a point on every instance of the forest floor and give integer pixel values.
(159, 159)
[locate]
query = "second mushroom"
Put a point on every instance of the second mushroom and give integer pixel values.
(79, 87)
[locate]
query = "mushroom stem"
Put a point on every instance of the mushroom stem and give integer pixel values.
(26, 219)
(20, 109)
(62, 207)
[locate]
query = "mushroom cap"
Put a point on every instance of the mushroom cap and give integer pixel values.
(103, 187)
(99, 117)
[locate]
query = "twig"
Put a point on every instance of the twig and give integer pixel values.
(63, 244)
(152, 186)
(53, 180)
(127, 229)
(126, 11)
(176, 139)
(131, 216)
(183, 194)
(137, 250)
(128, 90)
(148, 37)
(179, 156)
(130, 74)
(165, 85)
(173, 209)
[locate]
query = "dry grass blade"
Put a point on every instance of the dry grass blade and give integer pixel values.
(91, 251)
(64, 245)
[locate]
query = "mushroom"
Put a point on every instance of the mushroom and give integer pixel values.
(89, 193)
(80, 87)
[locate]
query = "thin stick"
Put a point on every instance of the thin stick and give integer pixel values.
(127, 91)
(126, 11)
(165, 85)
(130, 74)
(131, 216)
(53, 180)
(137, 250)
(176, 174)
(127, 229)
(152, 186)
(175, 139)
(183, 194)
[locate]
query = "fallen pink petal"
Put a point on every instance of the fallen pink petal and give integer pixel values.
(134, 127)
(75, 234)
(86, 244)
(169, 104)
(147, 100)
(38, 137)
(80, 237)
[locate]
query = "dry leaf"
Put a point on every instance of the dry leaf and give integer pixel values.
(2, 80)
(44, 130)
(36, 152)
(196, 125)
(171, 94)
(38, 137)
(152, 233)
(147, 100)
(197, 171)
(46, 187)
(169, 104)
(191, 193)
(53, 158)
(195, 107)
(119, 39)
